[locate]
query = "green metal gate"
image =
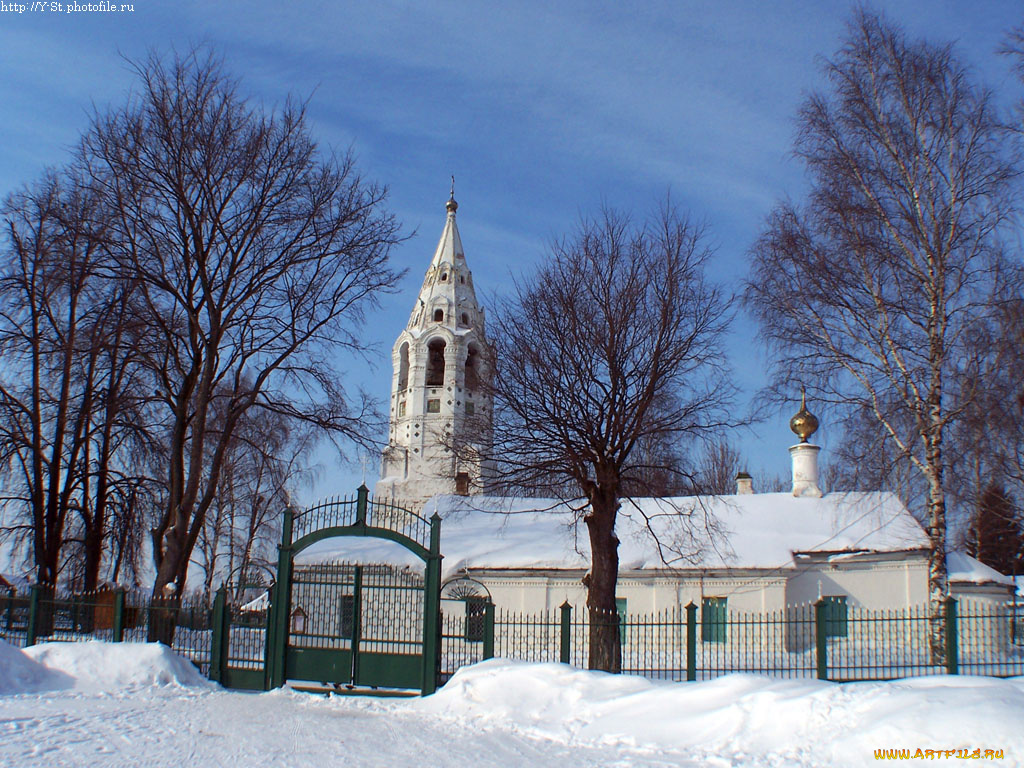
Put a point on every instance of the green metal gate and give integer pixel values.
(367, 625)
(356, 624)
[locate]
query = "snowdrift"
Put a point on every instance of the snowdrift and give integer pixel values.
(94, 666)
(19, 673)
(803, 721)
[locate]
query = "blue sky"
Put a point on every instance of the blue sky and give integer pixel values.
(541, 111)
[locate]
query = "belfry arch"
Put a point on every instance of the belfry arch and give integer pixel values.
(403, 367)
(435, 362)
(472, 368)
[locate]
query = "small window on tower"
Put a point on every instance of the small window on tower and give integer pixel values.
(444, 277)
(401, 408)
(470, 409)
(462, 278)
(438, 315)
(465, 319)
(462, 484)
(433, 406)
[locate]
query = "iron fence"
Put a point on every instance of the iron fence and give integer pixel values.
(825, 640)
(828, 640)
(467, 634)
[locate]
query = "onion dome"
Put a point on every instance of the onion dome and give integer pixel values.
(804, 423)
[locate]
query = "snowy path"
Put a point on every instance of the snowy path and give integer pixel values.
(215, 728)
(111, 705)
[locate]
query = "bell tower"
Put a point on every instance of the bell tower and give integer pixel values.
(438, 411)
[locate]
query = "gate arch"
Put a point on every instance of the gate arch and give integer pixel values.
(360, 517)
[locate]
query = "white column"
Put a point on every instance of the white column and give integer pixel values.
(805, 470)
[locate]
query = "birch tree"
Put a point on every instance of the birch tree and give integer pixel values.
(875, 290)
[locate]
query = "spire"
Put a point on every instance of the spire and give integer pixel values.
(449, 247)
(447, 290)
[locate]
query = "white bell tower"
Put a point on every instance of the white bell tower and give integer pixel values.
(436, 400)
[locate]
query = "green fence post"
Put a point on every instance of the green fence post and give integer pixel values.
(565, 630)
(952, 639)
(268, 624)
(488, 630)
(362, 493)
(691, 641)
(432, 609)
(33, 614)
(277, 635)
(117, 624)
(821, 639)
(217, 639)
(357, 622)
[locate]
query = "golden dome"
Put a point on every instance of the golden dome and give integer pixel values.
(804, 423)
(451, 206)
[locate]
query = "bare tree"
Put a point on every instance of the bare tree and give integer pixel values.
(243, 524)
(719, 465)
(48, 338)
(659, 467)
(873, 291)
(614, 342)
(254, 255)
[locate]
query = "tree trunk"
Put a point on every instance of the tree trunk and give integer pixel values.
(166, 597)
(163, 619)
(93, 554)
(605, 642)
(936, 562)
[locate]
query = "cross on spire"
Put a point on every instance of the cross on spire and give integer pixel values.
(452, 206)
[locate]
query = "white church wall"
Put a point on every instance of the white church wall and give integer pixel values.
(644, 593)
(895, 582)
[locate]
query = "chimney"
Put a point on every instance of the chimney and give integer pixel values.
(744, 484)
(804, 454)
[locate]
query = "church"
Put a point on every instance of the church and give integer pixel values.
(745, 551)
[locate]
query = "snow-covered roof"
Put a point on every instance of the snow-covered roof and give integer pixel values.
(745, 531)
(964, 568)
(259, 603)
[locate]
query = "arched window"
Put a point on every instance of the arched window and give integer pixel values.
(444, 277)
(438, 315)
(403, 367)
(472, 368)
(465, 319)
(462, 278)
(435, 363)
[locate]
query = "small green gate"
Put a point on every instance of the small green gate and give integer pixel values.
(356, 624)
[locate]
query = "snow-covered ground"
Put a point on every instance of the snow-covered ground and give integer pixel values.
(99, 704)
